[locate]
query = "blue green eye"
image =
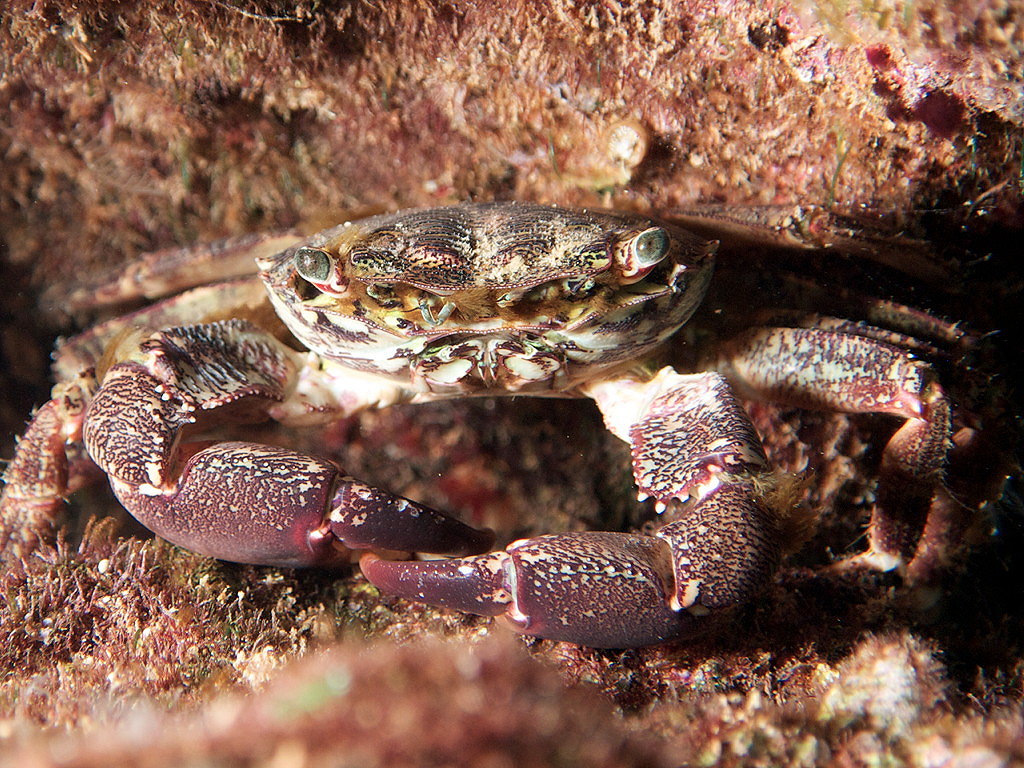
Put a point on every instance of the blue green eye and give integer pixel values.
(314, 264)
(650, 247)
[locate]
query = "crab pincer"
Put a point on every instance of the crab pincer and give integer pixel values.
(253, 503)
(717, 548)
(241, 501)
(605, 589)
(598, 589)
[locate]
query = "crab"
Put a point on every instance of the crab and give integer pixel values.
(475, 299)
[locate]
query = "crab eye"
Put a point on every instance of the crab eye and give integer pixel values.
(650, 247)
(639, 255)
(314, 264)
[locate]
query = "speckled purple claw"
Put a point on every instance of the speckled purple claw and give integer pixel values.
(605, 590)
(244, 502)
(252, 503)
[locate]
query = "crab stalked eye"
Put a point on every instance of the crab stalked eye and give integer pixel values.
(642, 253)
(650, 247)
(314, 264)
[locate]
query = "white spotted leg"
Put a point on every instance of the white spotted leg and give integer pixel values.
(853, 371)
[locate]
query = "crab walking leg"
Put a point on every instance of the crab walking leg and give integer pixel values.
(691, 441)
(41, 473)
(834, 370)
(165, 272)
(35, 480)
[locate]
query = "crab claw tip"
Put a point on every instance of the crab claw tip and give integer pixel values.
(472, 584)
(364, 517)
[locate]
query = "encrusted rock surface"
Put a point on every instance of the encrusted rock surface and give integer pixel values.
(127, 127)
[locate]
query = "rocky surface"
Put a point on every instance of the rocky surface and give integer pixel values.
(129, 127)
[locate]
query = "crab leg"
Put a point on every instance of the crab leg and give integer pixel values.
(41, 472)
(237, 501)
(691, 442)
(850, 372)
(165, 272)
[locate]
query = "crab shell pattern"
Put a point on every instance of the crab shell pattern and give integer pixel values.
(497, 298)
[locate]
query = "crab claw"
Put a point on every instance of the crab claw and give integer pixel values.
(252, 503)
(604, 590)
(363, 517)
(244, 502)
